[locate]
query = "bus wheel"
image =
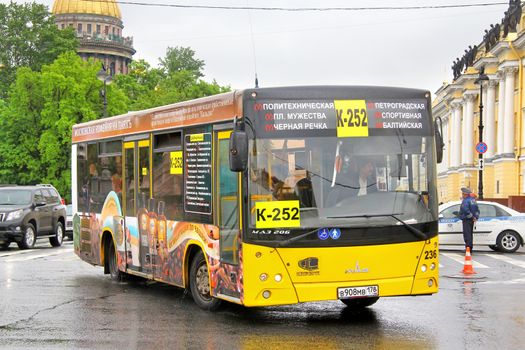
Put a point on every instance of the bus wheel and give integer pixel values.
(111, 260)
(359, 303)
(200, 284)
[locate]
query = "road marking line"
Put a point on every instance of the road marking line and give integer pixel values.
(17, 252)
(461, 259)
(508, 260)
(32, 257)
(69, 258)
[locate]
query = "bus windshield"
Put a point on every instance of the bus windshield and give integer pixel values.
(343, 181)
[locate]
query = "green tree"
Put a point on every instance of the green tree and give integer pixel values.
(179, 59)
(30, 38)
(35, 126)
(177, 79)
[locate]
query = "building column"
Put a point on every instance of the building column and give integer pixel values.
(467, 143)
(455, 143)
(501, 112)
(446, 141)
(508, 119)
(489, 119)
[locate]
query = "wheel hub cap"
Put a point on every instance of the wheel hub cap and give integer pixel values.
(509, 242)
(30, 237)
(202, 281)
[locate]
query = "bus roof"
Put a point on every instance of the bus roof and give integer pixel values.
(221, 107)
(214, 108)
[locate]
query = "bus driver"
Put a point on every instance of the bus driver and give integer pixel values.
(356, 179)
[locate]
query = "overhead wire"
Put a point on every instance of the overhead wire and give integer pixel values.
(304, 9)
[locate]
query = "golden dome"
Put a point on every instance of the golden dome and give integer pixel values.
(98, 7)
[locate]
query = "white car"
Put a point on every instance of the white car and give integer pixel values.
(69, 221)
(499, 227)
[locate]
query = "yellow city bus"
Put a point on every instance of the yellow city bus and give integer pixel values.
(265, 196)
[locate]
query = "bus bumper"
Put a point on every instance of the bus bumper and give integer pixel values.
(281, 276)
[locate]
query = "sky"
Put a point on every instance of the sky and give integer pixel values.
(406, 48)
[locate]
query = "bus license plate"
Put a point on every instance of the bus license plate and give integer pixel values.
(357, 292)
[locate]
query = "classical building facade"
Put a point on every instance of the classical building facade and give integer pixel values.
(99, 28)
(496, 63)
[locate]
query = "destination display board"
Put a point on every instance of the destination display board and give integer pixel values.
(197, 187)
(341, 118)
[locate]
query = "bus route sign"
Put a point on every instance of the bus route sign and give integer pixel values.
(481, 147)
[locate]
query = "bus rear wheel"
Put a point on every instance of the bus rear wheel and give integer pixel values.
(359, 303)
(200, 284)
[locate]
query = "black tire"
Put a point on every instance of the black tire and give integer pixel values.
(359, 303)
(4, 245)
(508, 241)
(111, 260)
(493, 247)
(59, 236)
(200, 284)
(29, 238)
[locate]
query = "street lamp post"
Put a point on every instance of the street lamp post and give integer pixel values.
(104, 75)
(479, 80)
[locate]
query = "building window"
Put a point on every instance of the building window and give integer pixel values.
(106, 30)
(89, 28)
(79, 28)
(497, 186)
(63, 25)
(98, 28)
(114, 31)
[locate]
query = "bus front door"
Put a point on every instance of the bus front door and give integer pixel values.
(228, 214)
(137, 189)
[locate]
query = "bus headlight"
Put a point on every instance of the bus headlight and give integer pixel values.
(263, 277)
(432, 266)
(278, 277)
(430, 283)
(266, 294)
(423, 268)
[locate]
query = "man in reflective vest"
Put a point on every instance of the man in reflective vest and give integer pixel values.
(469, 214)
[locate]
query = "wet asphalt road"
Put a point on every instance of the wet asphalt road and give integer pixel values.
(51, 299)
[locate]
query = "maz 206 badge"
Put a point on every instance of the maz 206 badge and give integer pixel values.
(277, 214)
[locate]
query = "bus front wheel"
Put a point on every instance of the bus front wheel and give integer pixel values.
(111, 261)
(200, 284)
(359, 303)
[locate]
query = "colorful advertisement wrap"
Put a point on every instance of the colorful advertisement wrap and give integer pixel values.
(165, 246)
(340, 118)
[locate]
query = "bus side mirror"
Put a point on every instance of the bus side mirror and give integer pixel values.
(238, 151)
(438, 132)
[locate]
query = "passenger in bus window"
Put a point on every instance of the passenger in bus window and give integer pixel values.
(93, 169)
(116, 178)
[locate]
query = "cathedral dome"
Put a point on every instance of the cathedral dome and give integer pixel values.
(98, 7)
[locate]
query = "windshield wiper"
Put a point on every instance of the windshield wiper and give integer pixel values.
(296, 238)
(416, 232)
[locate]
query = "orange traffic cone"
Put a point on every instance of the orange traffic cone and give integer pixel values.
(467, 268)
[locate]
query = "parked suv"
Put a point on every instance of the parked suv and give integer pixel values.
(28, 213)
